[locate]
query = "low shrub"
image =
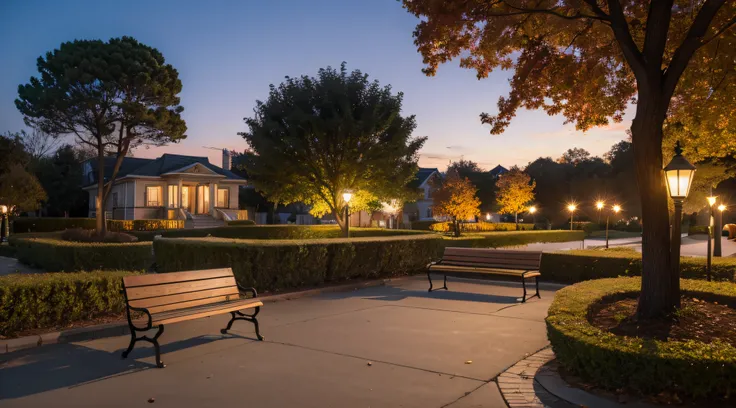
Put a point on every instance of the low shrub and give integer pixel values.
(731, 231)
(32, 224)
(643, 366)
(272, 232)
(280, 264)
(144, 225)
(481, 227)
(52, 224)
(241, 222)
(52, 254)
(579, 265)
(511, 238)
(697, 230)
(83, 235)
(422, 225)
(48, 300)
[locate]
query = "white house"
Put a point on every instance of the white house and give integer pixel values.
(170, 187)
(421, 210)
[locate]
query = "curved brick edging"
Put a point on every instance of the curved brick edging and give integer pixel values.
(518, 387)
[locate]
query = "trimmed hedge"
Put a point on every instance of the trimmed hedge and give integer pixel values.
(7, 251)
(273, 232)
(241, 222)
(48, 300)
(54, 255)
(52, 224)
(422, 225)
(644, 366)
(280, 264)
(144, 225)
(698, 229)
(511, 238)
(33, 224)
(481, 227)
(579, 265)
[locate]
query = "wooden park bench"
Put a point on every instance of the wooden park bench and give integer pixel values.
(176, 297)
(523, 264)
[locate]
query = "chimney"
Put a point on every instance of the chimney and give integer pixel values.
(226, 159)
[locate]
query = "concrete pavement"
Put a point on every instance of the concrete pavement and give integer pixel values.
(439, 349)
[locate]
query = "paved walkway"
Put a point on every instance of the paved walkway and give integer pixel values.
(11, 265)
(388, 346)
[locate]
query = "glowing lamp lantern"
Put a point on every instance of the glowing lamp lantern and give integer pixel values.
(679, 175)
(616, 209)
(721, 208)
(347, 195)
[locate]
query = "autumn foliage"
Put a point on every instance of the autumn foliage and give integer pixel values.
(515, 191)
(455, 198)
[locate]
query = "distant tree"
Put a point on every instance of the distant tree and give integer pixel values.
(12, 152)
(315, 137)
(39, 144)
(588, 60)
(706, 179)
(574, 156)
(20, 191)
(121, 94)
(464, 168)
(515, 192)
(454, 197)
(61, 177)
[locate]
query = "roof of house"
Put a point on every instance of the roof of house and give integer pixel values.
(133, 166)
(422, 175)
(498, 170)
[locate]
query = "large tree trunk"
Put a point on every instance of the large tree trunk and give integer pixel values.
(660, 286)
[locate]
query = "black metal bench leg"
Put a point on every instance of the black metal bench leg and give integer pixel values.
(445, 285)
(536, 278)
(523, 285)
(429, 278)
(247, 317)
(154, 340)
(430, 283)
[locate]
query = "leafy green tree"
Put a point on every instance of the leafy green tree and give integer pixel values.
(61, 177)
(454, 197)
(12, 152)
(515, 192)
(119, 95)
(315, 137)
(574, 156)
(20, 190)
(481, 179)
(587, 60)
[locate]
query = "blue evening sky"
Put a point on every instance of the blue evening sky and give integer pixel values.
(228, 52)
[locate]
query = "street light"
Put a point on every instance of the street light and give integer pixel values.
(533, 211)
(616, 209)
(571, 207)
(599, 205)
(3, 223)
(347, 195)
(679, 176)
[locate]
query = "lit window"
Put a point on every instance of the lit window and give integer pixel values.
(173, 196)
(223, 198)
(153, 196)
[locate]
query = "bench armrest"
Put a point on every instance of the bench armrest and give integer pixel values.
(143, 310)
(434, 263)
(248, 290)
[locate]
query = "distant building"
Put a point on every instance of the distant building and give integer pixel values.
(169, 187)
(422, 209)
(498, 171)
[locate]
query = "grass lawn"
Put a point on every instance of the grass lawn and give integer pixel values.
(612, 234)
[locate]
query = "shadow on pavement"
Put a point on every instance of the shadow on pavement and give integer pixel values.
(393, 293)
(51, 367)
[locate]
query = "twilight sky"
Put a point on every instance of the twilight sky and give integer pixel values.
(228, 52)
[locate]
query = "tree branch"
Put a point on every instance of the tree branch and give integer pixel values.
(721, 31)
(690, 44)
(553, 12)
(655, 38)
(621, 31)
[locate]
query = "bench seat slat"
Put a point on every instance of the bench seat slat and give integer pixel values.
(204, 311)
(509, 259)
(161, 278)
(143, 292)
(159, 301)
(490, 252)
(494, 271)
(492, 263)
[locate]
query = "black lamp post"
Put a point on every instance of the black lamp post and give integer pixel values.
(347, 195)
(572, 208)
(718, 233)
(3, 223)
(616, 209)
(679, 176)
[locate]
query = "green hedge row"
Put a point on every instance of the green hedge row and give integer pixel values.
(51, 224)
(281, 264)
(512, 238)
(580, 265)
(273, 232)
(480, 227)
(54, 255)
(48, 300)
(643, 366)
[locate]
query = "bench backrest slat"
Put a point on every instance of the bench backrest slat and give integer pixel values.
(179, 290)
(492, 258)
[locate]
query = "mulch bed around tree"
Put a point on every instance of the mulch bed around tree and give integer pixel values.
(697, 320)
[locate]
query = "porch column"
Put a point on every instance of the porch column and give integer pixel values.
(179, 191)
(213, 198)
